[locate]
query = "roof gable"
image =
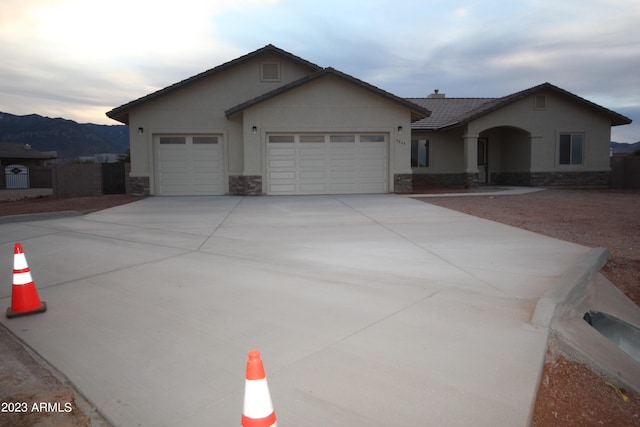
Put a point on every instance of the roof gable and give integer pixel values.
(121, 113)
(453, 112)
(417, 112)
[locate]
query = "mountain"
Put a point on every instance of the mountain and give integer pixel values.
(68, 138)
(623, 148)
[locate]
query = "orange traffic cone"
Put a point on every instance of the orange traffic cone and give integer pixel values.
(258, 408)
(24, 296)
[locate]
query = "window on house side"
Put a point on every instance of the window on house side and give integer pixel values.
(571, 148)
(371, 138)
(419, 153)
(342, 138)
(311, 138)
(281, 138)
(205, 139)
(173, 140)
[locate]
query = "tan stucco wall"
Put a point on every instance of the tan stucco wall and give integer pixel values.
(446, 151)
(328, 104)
(523, 139)
(199, 108)
(561, 115)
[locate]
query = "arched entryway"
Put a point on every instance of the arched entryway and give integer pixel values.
(504, 152)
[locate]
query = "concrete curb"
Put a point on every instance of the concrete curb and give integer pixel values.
(570, 287)
(577, 340)
(490, 191)
(14, 194)
(37, 216)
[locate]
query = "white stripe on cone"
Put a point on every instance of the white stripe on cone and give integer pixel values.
(20, 263)
(257, 400)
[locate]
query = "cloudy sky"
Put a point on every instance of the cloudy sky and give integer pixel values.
(77, 59)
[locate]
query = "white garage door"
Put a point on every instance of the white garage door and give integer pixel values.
(327, 164)
(189, 165)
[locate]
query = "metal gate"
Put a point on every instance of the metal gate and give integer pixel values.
(16, 176)
(113, 178)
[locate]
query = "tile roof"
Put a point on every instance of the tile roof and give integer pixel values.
(451, 112)
(446, 112)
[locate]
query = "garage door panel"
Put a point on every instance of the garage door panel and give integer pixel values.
(310, 188)
(371, 154)
(279, 154)
(369, 176)
(370, 168)
(314, 163)
(189, 165)
(206, 177)
(280, 163)
(282, 175)
(313, 174)
(173, 156)
(173, 166)
(208, 164)
(342, 164)
(342, 188)
(337, 175)
(282, 188)
(306, 151)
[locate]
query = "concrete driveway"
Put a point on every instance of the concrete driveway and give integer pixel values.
(368, 310)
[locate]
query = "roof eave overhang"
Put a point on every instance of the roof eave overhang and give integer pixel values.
(119, 117)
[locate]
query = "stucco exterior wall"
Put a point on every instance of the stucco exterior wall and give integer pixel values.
(199, 108)
(560, 115)
(446, 151)
(326, 105)
(523, 142)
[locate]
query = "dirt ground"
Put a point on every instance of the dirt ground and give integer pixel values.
(570, 394)
(31, 393)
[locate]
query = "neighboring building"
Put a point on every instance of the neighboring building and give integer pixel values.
(23, 154)
(21, 166)
(270, 122)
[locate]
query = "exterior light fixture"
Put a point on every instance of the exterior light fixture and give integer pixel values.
(254, 130)
(140, 130)
(399, 129)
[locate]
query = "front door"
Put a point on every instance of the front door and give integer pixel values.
(483, 167)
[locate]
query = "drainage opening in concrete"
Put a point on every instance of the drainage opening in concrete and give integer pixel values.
(622, 334)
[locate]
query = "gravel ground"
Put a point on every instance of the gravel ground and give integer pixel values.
(570, 394)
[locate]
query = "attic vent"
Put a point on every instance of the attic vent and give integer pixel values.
(541, 102)
(270, 72)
